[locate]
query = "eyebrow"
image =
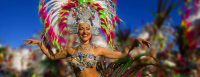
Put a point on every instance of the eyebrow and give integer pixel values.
(85, 27)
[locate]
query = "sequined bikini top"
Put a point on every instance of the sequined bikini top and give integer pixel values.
(83, 60)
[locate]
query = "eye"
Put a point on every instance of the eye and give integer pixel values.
(88, 28)
(80, 28)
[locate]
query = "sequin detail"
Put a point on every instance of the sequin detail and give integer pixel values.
(83, 60)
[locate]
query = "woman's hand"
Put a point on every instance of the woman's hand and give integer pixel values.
(32, 42)
(144, 42)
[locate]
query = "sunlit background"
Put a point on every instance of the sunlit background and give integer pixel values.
(171, 26)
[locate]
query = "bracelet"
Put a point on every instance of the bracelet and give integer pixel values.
(129, 55)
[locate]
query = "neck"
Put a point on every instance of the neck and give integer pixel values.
(85, 44)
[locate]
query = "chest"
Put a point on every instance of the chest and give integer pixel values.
(83, 59)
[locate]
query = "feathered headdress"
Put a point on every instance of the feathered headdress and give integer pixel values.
(60, 19)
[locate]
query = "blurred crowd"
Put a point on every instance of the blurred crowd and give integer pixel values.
(24, 62)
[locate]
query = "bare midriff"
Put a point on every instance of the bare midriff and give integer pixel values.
(89, 72)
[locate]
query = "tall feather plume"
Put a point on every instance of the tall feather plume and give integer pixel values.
(49, 12)
(55, 17)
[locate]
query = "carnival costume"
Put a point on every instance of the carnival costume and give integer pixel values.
(61, 19)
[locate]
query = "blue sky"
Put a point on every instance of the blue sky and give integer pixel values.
(19, 19)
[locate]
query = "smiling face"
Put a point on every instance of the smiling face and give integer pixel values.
(84, 32)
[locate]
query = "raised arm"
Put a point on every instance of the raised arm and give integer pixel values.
(59, 55)
(112, 54)
(117, 54)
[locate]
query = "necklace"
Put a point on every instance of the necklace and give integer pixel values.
(86, 48)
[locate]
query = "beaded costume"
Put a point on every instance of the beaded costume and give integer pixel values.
(61, 19)
(83, 60)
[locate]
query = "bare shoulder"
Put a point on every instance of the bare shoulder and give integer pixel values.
(99, 50)
(70, 50)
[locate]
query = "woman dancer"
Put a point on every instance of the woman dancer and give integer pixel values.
(82, 57)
